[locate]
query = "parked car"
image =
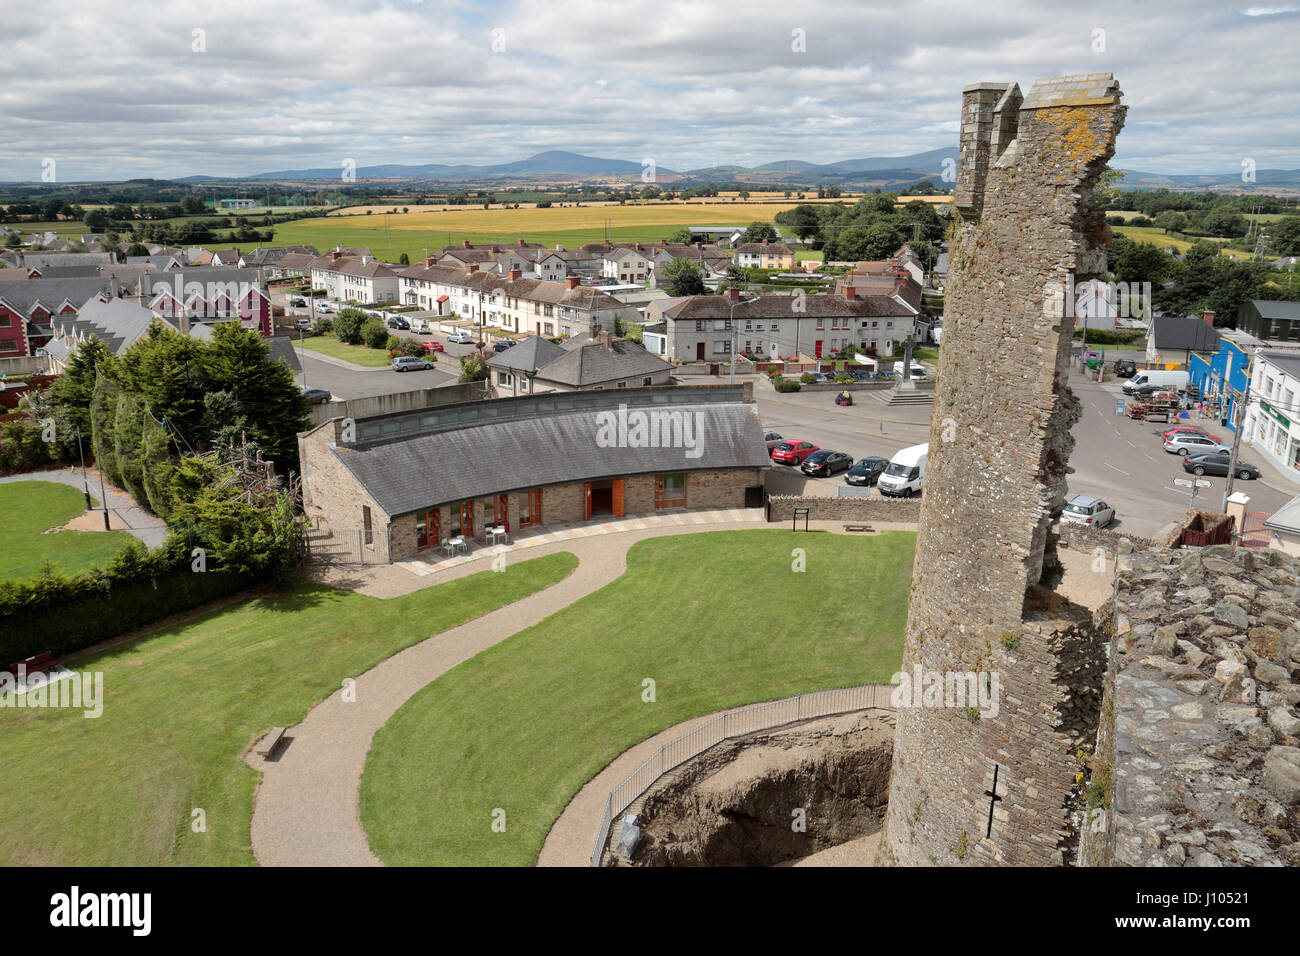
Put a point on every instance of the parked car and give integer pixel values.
(826, 463)
(502, 345)
(316, 396)
(862, 374)
(904, 477)
(791, 452)
(433, 346)
(866, 471)
(1169, 380)
(303, 323)
(1216, 463)
(407, 363)
(297, 302)
(1084, 509)
(1125, 368)
(1194, 445)
(772, 438)
(324, 307)
(1186, 430)
(460, 338)
(397, 322)
(1142, 391)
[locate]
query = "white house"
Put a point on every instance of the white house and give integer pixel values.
(1272, 423)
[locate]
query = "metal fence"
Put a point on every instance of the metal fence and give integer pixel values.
(736, 723)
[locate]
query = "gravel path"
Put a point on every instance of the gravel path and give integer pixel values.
(307, 806)
(123, 513)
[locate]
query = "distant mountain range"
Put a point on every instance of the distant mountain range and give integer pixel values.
(561, 166)
(885, 172)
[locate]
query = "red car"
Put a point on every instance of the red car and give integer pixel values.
(434, 347)
(1169, 433)
(793, 452)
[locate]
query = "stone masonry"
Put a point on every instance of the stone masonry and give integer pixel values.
(1198, 759)
(999, 445)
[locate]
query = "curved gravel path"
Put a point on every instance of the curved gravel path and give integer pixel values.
(124, 513)
(307, 808)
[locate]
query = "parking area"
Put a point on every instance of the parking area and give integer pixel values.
(1117, 459)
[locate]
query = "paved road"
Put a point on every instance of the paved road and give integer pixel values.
(346, 381)
(1115, 458)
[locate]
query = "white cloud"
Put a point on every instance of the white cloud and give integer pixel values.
(301, 83)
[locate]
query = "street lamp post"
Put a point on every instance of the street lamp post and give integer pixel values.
(85, 482)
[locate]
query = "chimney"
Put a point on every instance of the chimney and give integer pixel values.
(522, 243)
(336, 254)
(747, 390)
(183, 320)
(465, 243)
(733, 294)
(472, 267)
(604, 338)
(764, 242)
(495, 247)
(638, 247)
(515, 274)
(1209, 318)
(570, 282)
(430, 262)
(850, 293)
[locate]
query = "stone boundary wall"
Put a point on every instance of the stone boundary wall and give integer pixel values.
(898, 510)
(359, 408)
(1082, 537)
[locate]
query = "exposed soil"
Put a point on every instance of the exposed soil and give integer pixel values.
(772, 797)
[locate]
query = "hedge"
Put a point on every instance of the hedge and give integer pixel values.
(61, 613)
(785, 385)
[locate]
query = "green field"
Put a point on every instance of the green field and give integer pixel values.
(30, 508)
(715, 619)
(182, 704)
(357, 354)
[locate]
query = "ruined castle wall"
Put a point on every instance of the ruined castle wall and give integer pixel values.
(1003, 405)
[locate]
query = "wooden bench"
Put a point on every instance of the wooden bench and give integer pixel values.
(34, 664)
(267, 745)
(857, 526)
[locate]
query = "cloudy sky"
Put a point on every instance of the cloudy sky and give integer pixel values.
(236, 87)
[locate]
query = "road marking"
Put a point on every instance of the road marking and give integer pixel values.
(1109, 465)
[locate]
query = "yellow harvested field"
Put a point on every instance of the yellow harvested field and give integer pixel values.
(572, 216)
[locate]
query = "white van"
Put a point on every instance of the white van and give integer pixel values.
(906, 472)
(1174, 381)
(421, 325)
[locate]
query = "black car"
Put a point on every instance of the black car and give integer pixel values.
(1216, 463)
(826, 463)
(1143, 390)
(1125, 368)
(866, 471)
(502, 345)
(397, 322)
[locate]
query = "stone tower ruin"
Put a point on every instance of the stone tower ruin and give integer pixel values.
(972, 788)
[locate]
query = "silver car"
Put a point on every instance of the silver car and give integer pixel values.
(1185, 443)
(407, 363)
(1084, 509)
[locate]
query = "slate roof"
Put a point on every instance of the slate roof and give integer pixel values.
(426, 470)
(528, 356)
(593, 363)
(1285, 361)
(117, 322)
(1275, 309)
(52, 293)
(1286, 518)
(777, 306)
(1180, 332)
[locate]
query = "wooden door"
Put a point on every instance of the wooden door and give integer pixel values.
(432, 537)
(467, 518)
(587, 489)
(617, 498)
(699, 351)
(500, 511)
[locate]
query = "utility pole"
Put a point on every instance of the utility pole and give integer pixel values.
(85, 482)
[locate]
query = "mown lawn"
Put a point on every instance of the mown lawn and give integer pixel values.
(183, 703)
(716, 620)
(358, 354)
(27, 510)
